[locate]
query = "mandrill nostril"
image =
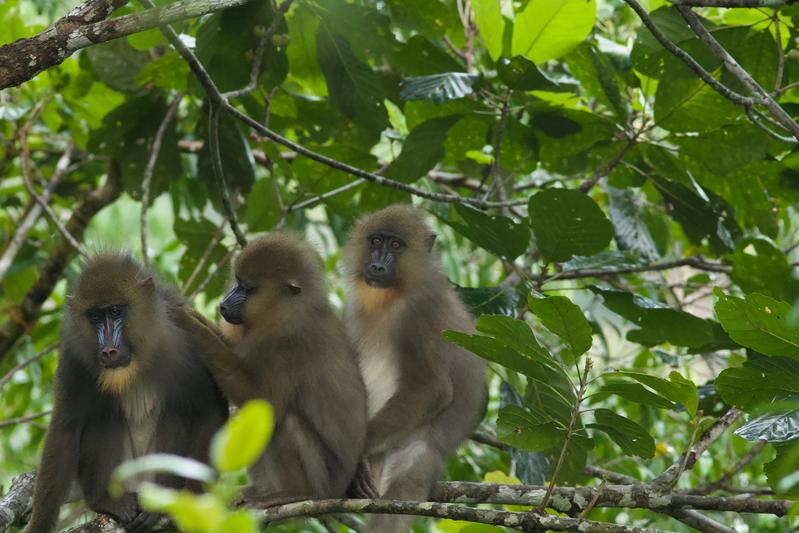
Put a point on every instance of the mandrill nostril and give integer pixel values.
(377, 268)
(223, 309)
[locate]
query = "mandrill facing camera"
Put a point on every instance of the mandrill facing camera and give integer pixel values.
(425, 395)
(129, 382)
(290, 349)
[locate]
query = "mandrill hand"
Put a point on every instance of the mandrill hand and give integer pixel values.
(362, 485)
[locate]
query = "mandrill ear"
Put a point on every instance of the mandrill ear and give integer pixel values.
(294, 286)
(431, 240)
(147, 284)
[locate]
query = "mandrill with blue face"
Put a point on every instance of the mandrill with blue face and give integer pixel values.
(130, 382)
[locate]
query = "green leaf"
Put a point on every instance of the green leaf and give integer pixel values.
(237, 160)
(759, 322)
(637, 393)
(116, 63)
(489, 22)
(354, 88)
(759, 266)
(301, 53)
(243, 438)
(194, 513)
(422, 150)
(631, 230)
(160, 463)
(659, 323)
(689, 104)
(497, 234)
(526, 430)
(759, 382)
(782, 475)
(262, 210)
(521, 74)
(239, 522)
(631, 437)
(566, 222)
(548, 29)
(516, 334)
(438, 88)
(489, 300)
(782, 426)
(677, 388)
(559, 315)
(604, 261)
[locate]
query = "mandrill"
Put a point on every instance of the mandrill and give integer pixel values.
(425, 395)
(129, 382)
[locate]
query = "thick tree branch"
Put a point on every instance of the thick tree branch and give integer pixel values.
(524, 521)
(23, 59)
(25, 314)
(18, 501)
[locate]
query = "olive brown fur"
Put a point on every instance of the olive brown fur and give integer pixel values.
(290, 349)
(129, 382)
(425, 394)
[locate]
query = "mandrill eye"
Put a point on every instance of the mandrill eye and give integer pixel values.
(377, 241)
(114, 311)
(93, 315)
(395, 245)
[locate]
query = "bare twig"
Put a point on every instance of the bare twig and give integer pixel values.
(25, 169)
(605, 169)
(732, 3)
(32, 359)
(22, 419)
(669, 477)
(219, 172)
(61, 169)
(211, 275)
(220, 232)
(155, 149)
(497, 183)
(259, 53)
(695, 261)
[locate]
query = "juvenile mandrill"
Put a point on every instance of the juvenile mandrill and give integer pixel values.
(425, 395)
(129, 382)
(290, 349)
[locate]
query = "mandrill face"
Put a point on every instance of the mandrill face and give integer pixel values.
(113, 349)
(384, 250)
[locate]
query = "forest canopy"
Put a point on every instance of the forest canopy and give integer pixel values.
(614, 186)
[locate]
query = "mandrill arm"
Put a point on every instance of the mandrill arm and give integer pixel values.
(57, 470)
(426, 391)
(237, 382)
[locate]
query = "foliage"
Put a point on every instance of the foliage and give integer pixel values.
(635, 279)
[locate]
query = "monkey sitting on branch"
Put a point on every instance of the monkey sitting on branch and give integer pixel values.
(425, 395)
(129, 382)
(290, 349)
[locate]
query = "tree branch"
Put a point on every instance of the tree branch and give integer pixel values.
(669, 477)
(22, 419)
(18, 501)
(697, 262)
(219, 173)
(23, 59)
(524, 521)
(30, 360)
(704, 75)
(25, 314)
(785, 120)
(732, 3)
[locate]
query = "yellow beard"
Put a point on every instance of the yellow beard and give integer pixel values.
(232, 332)
(118, 380)
(373, 299)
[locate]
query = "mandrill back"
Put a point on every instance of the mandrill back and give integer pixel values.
(129, 382)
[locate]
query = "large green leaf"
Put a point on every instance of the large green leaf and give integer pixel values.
(489, 300)
(243, 438)
(498, 234)
(489, 22)
(526, 430)
(631, 230)
(659, 323)
(676, 389)
(781, 472)
(438, 88)
(422, 150)
(759, 266)
(559, 315)
(522, 74)
(630, 436)
(637, 393)
(690, 104)
(759, 382)
(514, 333)
(354, 88)
(566, 222)
(760, 323)
(548, 29)
(235, 152)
